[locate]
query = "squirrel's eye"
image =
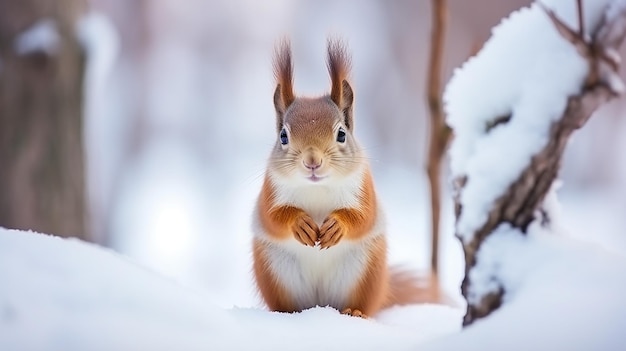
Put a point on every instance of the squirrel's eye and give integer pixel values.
(283, 137)
(341, 136)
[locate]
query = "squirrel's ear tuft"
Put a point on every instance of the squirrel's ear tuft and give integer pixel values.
(339, 68)
(283, 72)
(347, 97)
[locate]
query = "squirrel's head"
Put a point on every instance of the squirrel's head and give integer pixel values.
(315, 141)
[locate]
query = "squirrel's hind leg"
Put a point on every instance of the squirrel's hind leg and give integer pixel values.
(275, 296)
(354, 313)
(368, 297)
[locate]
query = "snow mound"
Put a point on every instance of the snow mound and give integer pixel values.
(563, 295)
(64, 294)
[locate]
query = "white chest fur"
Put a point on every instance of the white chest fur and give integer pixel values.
(318, 277)
(318, 200)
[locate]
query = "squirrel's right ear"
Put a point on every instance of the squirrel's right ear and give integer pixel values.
(341, 91)
(283, 72)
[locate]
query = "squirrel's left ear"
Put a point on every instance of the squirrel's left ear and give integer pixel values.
(283, 71)
(344, 101)
(341, 91)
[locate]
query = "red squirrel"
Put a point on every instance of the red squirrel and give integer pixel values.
(319, 231)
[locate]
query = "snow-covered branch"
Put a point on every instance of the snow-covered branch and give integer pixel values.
(513, 108)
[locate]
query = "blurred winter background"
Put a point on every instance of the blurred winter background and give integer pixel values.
(179, 122)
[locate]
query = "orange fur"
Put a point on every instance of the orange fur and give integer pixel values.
(407, 287)
(338, 68)
(281, 222)
(357, 222)
(351, 223)
(283, 73)
(274, 295)
(371, 294)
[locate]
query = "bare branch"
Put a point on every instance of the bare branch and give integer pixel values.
(439, 131)
(581, 19)
(569, 34)
(600, 53)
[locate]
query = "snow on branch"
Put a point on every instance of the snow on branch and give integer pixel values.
(513, 107)
(42, 36)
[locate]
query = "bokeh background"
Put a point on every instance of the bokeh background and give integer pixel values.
(178, 123)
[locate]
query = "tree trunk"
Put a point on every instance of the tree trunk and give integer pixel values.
(42, 173)
(522, 202)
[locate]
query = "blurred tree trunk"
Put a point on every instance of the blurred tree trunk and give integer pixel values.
(42, 173)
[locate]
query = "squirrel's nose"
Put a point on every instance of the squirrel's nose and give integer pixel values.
(312, 164)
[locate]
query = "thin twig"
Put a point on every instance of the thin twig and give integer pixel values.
(439, 132)
(581, 20)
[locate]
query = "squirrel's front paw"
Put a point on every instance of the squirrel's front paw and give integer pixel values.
(305, 230)
(331, 232)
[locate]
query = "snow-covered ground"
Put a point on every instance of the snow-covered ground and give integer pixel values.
(59, 294)
(63, 294)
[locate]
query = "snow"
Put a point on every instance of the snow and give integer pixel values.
(102, 135)
(40, 37)
(526, 70)
(96, 34)
(64, 294)
(72, 295)
(572, 297)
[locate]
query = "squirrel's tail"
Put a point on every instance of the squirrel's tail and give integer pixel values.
(407, 287)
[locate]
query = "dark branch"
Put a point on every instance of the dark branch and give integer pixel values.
(581, 19)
